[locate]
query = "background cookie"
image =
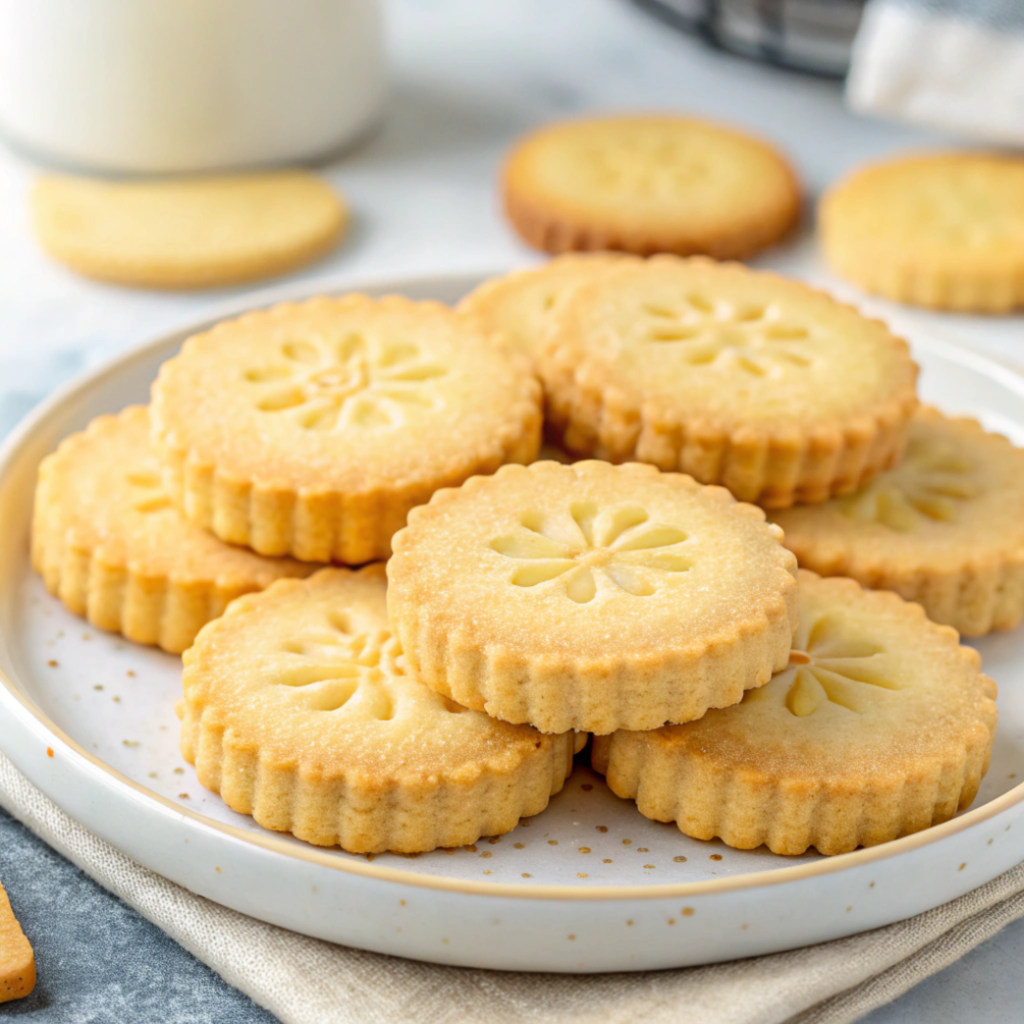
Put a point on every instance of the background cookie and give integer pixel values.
(648, 184)
(17, 962)
(944, 230)
(187, 232)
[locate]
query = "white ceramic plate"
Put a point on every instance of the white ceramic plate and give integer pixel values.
(589, 885)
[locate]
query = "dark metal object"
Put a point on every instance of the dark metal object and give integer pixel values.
(813, 36)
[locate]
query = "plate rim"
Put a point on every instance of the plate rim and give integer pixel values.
(116, 363)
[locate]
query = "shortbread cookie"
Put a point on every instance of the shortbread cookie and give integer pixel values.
(109, 543)
(17, 962)
(881, 725)
(944, 230)
(519, 306)
(300, 710)
(189, 232)
(649, 184)
(739, 378)
(591, 597)
(944, 528)
(311, 429)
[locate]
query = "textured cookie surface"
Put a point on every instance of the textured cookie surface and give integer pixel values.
(189, 232)
(880, 726)
(520, 306)
(944, 528)
(109, 543)
(591, 596)
(737, 377)
(301, 711)
(649, 184)
(942, 230)
(311, 429)
(17, 962)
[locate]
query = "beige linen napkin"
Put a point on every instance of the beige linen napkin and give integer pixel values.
(305, 981)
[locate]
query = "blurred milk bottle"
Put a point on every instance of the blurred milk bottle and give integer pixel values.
(162, 86)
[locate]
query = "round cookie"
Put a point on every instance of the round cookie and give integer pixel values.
(311, 429)
(520, 306)
(944, 528)
(880, 726)
(648, 184)
(109, 544)
(300, 710)
(740, 378)
(187, 232)
(591, 597)
(943, 230)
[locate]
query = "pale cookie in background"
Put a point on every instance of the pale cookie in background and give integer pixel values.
(943, 230)
(647, 184)
(312, 429)
(188, 232)
(880, 726)
(109, 543)
(740, 378)
(519, 306)
(591, 597)
(17, 961)
(301, 711)
(944, 528)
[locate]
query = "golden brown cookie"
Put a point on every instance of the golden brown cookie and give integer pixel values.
(647, 184)
(187, 232)
(944, 528)
(311, 429)
(301, 711)
(519, 306)
(591, 597)
(943, 230)
(17, 961)
(880, 726)
(109, 543)
(740, 378)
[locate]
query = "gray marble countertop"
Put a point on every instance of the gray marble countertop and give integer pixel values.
(468, 77)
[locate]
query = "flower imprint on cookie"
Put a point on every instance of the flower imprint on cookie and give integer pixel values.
(829, 664)
(591, 548)
(333, 667)
(753, 337)
(146, 491)
(929, 485)
(651, 166)
(332, 384)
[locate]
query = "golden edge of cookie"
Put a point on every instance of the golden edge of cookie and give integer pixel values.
(980, 596)
(275, 519)
(545, 227)
(677, 687)
(17, 959)
(208, 274)
(747, 807)
(412, 812)
(874, 266)
(116, 596)
(774, 468)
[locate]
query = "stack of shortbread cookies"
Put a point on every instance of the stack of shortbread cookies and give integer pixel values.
(511, 606)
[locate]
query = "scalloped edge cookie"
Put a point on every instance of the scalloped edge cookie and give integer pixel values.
(556, 687)
(311, 522)
(977, 591)
(748, 800)
(593, 415)
(363, 807)
(122, 592)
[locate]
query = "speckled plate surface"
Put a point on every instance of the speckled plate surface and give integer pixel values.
(589, 885)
